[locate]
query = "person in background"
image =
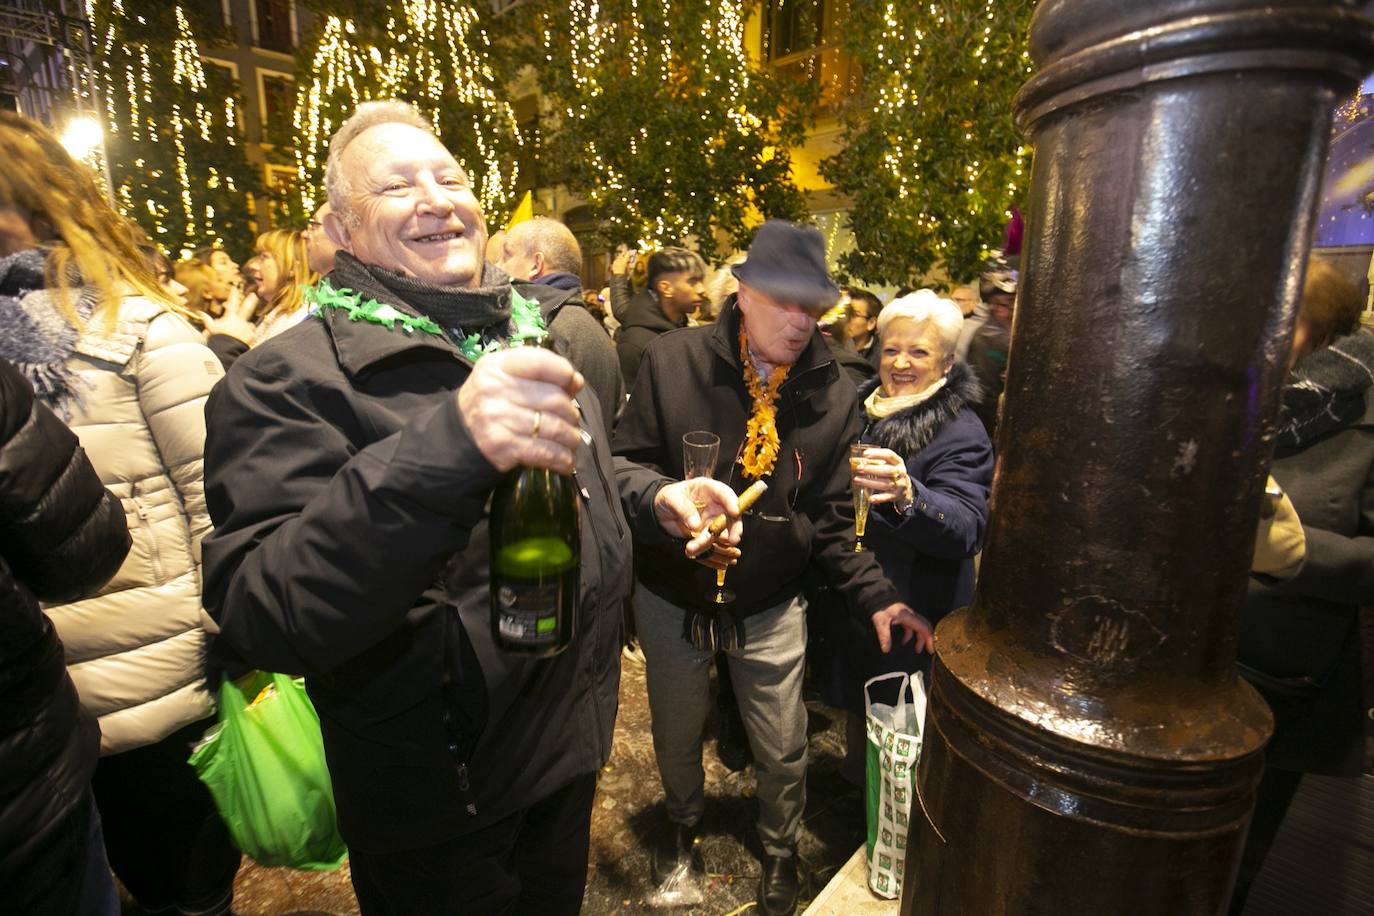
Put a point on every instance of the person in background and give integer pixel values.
(122, 364)
(319, 247)
(278, 273)
(1300, 635)
(62, 536)
(991, 344)
(676, 288)
(545, 252)
(861, 323)
(975, 316)
(206, 292)
(762, 380)
(542, 250)
(930, 473)
(219, 260)
(624, 293)
(349, 469)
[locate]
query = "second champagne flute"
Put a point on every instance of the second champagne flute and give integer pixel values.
(700, 449)
(857, 465)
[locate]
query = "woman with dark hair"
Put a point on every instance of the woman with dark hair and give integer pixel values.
(103, 345)
(1300, 642)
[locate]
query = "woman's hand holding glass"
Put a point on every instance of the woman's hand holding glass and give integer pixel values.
(883, 473)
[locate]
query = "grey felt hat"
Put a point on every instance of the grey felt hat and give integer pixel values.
(787, 261)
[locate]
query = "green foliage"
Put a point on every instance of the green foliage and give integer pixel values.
(660, 120)
(152, 108)
(432, 53)
(932, 160)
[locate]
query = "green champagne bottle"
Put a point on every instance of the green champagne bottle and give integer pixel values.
(536, 549)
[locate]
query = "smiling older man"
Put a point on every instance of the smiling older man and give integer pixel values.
(763, 380)
(348, 469)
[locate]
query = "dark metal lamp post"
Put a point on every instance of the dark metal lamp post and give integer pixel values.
(1089, 747)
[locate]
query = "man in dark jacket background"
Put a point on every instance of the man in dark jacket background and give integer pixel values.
(676, 288)
(786, 416)
(62, 536)
(348, 468)
(543, 251)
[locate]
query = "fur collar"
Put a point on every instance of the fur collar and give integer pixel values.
(908, 432)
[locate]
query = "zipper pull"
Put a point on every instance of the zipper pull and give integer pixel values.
(466, 788)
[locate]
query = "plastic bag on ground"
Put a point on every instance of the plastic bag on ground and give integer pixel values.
(894, 747)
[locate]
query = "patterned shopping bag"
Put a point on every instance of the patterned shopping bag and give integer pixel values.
(894, 746)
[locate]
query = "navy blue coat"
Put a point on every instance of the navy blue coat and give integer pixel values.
(928, 551)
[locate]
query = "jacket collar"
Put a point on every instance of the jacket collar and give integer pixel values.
(814, 369)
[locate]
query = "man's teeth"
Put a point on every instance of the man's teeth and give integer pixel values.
(438, 237)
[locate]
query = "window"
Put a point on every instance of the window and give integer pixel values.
(275, 27)
(794, 26)
(277, 98)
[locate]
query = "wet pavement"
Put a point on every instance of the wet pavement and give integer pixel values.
(628, 809)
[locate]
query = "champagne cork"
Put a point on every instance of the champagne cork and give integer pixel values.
(746, 499)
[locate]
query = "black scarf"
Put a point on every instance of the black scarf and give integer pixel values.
(1326, 392)
(459, 309)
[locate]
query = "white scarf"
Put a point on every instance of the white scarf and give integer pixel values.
(878, 406)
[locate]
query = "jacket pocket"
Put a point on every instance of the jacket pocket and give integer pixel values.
(149, 531)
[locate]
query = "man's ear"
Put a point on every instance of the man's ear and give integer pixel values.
(337, 230)
(539, 264)
(664, 289)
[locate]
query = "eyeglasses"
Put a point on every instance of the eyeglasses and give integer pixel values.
(313, 224)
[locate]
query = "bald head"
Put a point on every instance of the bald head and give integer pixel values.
(538, 247)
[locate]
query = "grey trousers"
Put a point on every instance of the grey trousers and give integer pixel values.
(767, 675)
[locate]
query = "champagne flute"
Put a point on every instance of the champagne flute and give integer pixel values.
(859, 465)
(700, 449)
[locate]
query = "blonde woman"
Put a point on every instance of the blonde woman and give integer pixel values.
(89, 325)
(278, 272)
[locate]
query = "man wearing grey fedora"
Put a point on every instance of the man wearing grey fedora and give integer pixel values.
(763, 380)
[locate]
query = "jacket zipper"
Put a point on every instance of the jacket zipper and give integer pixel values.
(610, 496)
(154, 554)
(465, 787)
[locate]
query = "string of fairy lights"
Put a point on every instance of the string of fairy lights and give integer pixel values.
(435, 55)
(596, 38)
(901, 50)
(126, 80)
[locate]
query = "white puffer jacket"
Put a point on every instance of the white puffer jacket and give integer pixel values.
(136, 650)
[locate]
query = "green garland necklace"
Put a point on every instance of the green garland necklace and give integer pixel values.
(526, 321)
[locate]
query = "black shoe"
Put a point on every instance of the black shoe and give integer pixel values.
(779, 885)
(732, 744)
(674, 845)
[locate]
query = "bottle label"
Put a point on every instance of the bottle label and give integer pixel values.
(528, 612)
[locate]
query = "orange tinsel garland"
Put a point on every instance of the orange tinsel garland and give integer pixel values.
(761, 443)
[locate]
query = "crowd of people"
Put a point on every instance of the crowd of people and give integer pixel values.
(209, 468)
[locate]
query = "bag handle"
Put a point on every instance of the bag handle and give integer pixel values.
(901, 691)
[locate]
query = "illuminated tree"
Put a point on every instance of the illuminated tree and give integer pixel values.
(434, 54)
(662, 122)
(932, 162)
(172, 132)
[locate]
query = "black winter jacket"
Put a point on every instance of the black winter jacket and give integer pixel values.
(62, 536)
(644, 322)
(692, 379)
(351, 546)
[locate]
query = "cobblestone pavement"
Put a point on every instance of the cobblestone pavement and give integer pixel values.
(628, 809)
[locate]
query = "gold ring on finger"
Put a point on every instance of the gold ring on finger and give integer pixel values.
(538, 421)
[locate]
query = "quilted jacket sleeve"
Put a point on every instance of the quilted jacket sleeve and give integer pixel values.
(175, 373)
(61, 532)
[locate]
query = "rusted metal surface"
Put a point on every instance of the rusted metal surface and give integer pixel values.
(1089, 746)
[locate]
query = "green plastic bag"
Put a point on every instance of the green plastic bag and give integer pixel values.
(894, 747)
(264, 764)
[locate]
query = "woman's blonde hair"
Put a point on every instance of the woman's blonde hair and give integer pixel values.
(91, 245)
(287, 248)
(197, 277)
(1331, 303)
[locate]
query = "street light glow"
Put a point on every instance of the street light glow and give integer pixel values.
(82, 135)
